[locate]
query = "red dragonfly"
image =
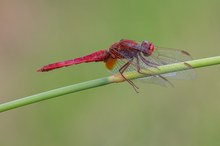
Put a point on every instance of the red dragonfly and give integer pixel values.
(128, 55)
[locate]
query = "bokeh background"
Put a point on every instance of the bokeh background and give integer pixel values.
(35, 33)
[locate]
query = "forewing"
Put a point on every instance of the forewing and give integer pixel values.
(165, 56)
(170, 55)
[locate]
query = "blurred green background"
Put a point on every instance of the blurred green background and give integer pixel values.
(35, 33)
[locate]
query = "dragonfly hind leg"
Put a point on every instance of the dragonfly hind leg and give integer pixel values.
(122, 70)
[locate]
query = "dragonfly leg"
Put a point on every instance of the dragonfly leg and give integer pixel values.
(149, 63)
(139, 68)
(122, 69)
(145, 61)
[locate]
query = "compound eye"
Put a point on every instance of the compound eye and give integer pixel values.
(151, 48)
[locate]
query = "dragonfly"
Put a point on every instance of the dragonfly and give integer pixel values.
(129, 55)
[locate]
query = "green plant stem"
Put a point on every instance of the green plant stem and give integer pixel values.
(53, 93)
(107, 80)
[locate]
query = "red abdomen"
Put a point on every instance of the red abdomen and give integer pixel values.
(93, 57)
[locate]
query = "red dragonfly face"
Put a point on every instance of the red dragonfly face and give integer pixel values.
(147, 48)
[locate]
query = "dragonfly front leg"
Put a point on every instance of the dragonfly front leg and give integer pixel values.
(147, 63)
(138, 66)
(151, 65)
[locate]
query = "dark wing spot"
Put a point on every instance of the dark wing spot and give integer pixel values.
(186, 53)
(188, 65)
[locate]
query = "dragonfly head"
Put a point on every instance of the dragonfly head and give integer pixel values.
(147, 48)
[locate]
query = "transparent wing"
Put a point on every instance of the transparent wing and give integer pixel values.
(161, 56)
(170, 55)
(133, 67)
(155, 80)
(165, 56)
